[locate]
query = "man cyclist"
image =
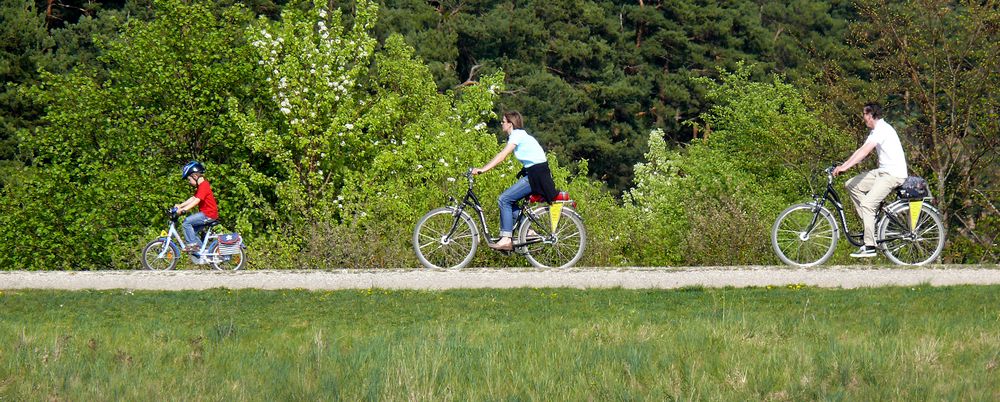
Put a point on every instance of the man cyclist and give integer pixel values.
(868, 189)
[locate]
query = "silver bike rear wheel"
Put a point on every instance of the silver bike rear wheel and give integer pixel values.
(231, 262)
(907, 243)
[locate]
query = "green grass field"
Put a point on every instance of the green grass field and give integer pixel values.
(788, 343)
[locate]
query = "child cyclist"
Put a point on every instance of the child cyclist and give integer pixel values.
(208, 209)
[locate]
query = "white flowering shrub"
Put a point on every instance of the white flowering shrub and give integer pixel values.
(315, 68)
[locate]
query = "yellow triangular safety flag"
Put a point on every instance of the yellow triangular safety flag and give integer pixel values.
(915, 213)
(163, 233)
(555, 211)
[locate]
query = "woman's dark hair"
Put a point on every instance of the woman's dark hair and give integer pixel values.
(515, 119)
(873, 109)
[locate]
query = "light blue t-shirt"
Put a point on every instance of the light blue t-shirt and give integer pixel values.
(526, 148)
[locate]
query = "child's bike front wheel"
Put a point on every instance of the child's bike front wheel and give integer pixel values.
(152, 259)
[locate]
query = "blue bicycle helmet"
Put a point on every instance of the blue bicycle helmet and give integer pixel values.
(191, 167)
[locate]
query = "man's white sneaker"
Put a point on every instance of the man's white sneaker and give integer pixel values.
(864, 252)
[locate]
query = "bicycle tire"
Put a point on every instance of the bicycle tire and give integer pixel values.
(151, 255)
(434, 251)
(795, 247)
(231, 262)
(567, 245)
(911, 247)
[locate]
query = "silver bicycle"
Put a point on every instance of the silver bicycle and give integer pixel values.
(907, 231)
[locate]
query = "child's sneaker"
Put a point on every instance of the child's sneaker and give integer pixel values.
(864, 252)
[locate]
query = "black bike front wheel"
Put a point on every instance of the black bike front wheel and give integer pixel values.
(804, 235)
(443, 240)
(553, 243)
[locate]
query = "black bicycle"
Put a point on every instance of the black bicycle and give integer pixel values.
(549, 236)
(907, 231)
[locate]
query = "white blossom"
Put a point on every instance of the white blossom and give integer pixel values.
(286, 110)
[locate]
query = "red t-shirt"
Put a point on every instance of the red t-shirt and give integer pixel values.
(207, 206)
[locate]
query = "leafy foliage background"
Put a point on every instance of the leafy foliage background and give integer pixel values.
(682, 128)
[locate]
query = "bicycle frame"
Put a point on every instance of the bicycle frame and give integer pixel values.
(833, 197)
(204, 257)
(471, 200)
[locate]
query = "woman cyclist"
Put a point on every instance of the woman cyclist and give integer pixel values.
(534, 178)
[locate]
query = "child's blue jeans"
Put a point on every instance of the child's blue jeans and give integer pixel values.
(192, 224)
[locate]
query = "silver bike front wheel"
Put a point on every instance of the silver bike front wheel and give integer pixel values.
(804, 235)
(438, 246)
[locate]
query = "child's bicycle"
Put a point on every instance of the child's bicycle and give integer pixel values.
(550, 236)
(909, 231)
(223, 252)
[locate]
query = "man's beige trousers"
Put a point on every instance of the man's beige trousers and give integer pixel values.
(867, 190)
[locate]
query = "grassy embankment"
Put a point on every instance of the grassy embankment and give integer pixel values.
(540, 344)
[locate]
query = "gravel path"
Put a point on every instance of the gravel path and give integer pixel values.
(629, 278)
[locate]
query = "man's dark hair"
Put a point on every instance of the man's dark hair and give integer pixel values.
(873, 109)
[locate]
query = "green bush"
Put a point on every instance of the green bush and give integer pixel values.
(714, 201)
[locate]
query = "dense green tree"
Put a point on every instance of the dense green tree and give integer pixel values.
(595, 76)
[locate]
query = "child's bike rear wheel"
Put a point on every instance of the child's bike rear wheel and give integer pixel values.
(437, 246)
(231, 262)
(563, 248)
(804, 235)
(151, 259)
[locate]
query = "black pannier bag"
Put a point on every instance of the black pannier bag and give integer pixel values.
(914, 188)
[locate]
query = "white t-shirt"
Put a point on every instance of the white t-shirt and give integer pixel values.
(891, 158)
(526, 148)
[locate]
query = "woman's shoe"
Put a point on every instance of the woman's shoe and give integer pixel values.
(504, 244)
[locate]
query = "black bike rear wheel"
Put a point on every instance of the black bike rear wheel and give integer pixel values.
(560, 246)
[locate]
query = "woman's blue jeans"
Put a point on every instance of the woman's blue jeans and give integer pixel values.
(508, 198)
